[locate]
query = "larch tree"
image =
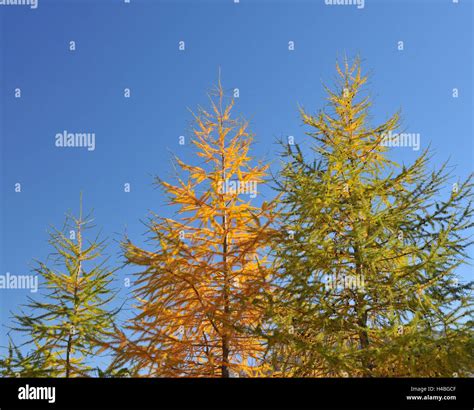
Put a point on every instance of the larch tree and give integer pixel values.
(68, 325)
(199, 293)
(20, 364)
(369, 254)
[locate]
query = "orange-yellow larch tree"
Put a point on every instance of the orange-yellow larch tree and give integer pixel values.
(200, 294)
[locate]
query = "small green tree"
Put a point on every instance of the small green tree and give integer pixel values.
(17, 364)
(368, 259)
(71, 322)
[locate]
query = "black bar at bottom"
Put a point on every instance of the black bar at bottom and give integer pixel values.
(409, 393)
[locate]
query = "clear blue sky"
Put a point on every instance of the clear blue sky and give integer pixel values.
(136, 46)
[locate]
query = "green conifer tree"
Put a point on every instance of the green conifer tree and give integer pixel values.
(368, 258)
(71, 322)
(18, 364)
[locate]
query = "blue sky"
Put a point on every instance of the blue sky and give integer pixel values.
(135, 46)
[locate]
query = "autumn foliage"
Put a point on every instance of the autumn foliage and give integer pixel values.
(350, 268)
(200, 291)
(367, 277)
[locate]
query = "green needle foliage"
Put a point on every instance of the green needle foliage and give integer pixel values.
(72, 321)
(17, 364)
(368, 258)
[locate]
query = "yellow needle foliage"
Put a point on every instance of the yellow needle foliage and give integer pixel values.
(200, 293)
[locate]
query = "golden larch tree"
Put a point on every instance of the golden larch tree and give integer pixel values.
(200, 293)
